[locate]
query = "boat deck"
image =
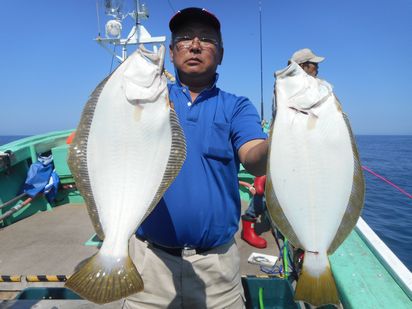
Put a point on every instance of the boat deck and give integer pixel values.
(53, 243)
(50, 242)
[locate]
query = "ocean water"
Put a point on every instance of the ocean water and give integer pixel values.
(4, 139)
(387, 211)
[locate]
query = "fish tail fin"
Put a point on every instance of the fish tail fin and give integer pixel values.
(316, 285)
(104, 279)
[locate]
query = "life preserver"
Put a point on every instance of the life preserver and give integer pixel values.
(248, 186)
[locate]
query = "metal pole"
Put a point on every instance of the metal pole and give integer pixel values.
(137, 20)
(13, 200)
(124, 52)
(15, 209)
(261, 61)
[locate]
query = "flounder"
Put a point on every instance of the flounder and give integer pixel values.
(315, 185)
(128, 149)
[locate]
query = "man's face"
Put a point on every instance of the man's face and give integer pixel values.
(196, 50)
(310, 68)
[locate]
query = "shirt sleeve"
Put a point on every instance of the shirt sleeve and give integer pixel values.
(245, 124)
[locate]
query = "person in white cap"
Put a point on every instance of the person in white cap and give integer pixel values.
(307, 60)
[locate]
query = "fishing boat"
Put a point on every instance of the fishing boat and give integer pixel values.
(43, 239)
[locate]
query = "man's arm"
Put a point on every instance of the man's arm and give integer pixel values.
(253, 155)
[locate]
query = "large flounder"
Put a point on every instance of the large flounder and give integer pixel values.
(315, 185)
(128, 149)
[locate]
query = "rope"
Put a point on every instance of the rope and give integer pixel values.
(261, 303)
(285, 258)
(171, 6)
(248, 186)
(387, 181)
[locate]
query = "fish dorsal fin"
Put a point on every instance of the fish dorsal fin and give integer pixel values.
(142, 76)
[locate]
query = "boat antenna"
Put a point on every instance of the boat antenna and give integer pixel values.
(98, 18)
(137, 35)
(261, 61)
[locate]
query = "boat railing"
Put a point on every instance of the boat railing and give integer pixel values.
(14, 165)
(385, 255)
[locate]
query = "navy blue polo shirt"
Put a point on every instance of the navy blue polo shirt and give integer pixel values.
(201, 208)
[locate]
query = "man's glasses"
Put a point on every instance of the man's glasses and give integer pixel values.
(187, 41)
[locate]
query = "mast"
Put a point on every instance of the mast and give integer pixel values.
(137, 35)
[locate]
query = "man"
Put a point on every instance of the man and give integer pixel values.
(185, 249)
(307, 60)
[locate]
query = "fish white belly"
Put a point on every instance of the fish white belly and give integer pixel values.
(315, 186)
(312, 171)
(128, 150)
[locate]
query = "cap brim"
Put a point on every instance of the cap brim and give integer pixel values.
(196, 14)
(317, 59)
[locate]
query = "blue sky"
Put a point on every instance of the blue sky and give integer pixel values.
(50, 63)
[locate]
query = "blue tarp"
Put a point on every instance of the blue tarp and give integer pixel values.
(42, 178)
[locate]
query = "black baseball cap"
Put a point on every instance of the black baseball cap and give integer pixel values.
(193, 13)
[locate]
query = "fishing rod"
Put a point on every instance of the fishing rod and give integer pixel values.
(261, 61)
